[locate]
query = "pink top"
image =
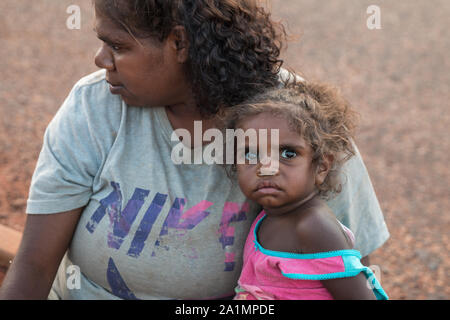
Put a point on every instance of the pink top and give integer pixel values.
(275, 275)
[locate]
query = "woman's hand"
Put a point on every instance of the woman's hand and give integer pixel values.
(45, 240)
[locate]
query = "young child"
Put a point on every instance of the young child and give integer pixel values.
(296, 248)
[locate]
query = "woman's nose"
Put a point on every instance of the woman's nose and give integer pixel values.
(104, 59)
(268, 167)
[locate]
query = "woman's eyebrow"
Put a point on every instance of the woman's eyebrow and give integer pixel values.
(108, 38)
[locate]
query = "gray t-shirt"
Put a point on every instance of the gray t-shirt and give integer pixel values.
(152, 229)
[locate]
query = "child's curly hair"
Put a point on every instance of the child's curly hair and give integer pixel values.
(315, 111)
(234, 44)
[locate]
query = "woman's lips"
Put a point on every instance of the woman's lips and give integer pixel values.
(116, 88)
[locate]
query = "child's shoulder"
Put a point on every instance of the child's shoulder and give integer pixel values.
(318, 230)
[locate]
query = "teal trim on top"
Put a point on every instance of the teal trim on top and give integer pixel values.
(350, 257)
(324, 276)
(319, 255)
(353, 265)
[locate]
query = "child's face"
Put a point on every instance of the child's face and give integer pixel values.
(294, 180)
(144, 73)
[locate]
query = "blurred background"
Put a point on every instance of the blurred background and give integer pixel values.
(397, 77)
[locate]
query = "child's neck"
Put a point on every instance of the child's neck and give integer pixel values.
(278, 230)
(294, 207)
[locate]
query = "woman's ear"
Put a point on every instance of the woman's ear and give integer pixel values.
(179, 42)
(323, 168)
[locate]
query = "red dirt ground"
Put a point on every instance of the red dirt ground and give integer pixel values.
(397, 77)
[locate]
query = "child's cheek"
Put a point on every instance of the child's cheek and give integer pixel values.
(244, 181)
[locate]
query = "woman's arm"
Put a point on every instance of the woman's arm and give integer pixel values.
(45, 240)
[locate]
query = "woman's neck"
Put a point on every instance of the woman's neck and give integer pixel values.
(184, 116)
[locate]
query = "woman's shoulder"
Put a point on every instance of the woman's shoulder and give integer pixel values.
(90, 99)
(97, 77)
(89, 111)
(93, 90)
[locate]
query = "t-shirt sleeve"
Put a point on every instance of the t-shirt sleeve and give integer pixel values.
(357, 207)
(76, 142)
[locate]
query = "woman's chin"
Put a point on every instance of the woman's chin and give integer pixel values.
(132, 101)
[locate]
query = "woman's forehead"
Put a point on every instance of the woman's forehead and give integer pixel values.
(107, 28)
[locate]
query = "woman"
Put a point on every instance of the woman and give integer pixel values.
(105, 190)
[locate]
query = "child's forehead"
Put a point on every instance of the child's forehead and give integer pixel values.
(267, 121)
(264, 120)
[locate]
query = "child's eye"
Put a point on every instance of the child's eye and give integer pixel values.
(250, 156)
(288, 154)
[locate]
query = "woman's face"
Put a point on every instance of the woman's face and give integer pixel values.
(145, 73)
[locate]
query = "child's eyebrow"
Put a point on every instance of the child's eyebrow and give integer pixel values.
(292, 146)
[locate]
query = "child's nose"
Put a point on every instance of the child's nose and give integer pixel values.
(268, 167)
(104, 59)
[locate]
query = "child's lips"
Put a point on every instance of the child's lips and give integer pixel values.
(267, 187)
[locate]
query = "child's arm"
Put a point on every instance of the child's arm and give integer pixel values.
(354, 288)
(318, 234)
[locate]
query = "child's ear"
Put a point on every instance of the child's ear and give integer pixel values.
(179, 41)
(323, 168)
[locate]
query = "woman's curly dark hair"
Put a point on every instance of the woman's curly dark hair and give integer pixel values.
(234, 45)
(317, 112)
